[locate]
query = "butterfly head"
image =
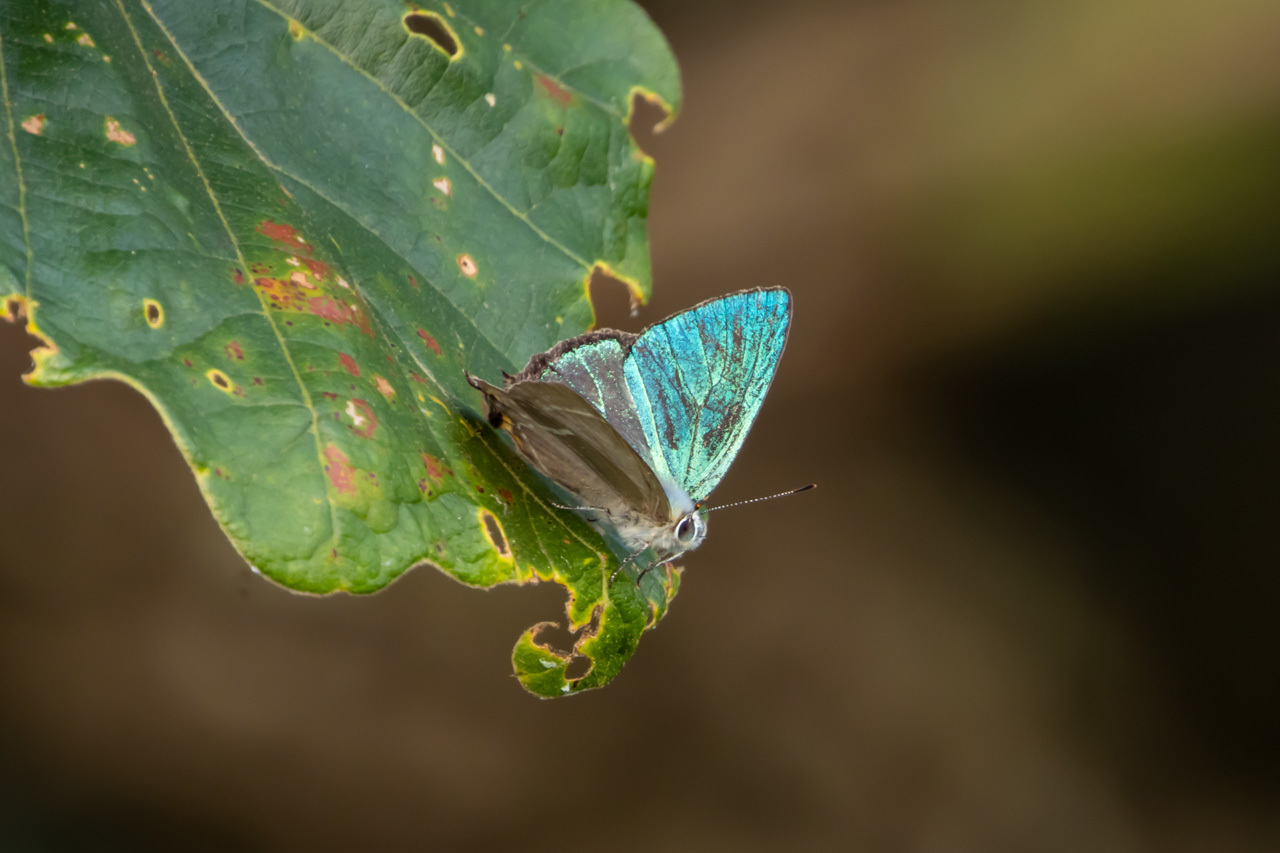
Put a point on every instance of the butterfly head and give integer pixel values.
(690, 530)
(687, 529)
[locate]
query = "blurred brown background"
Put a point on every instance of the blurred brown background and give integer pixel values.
(1035, 368)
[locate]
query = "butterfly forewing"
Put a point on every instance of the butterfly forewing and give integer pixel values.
(698, 380)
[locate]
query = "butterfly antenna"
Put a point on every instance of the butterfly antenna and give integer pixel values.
(765, 498)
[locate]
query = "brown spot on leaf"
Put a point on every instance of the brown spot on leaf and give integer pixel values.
(161, 55)
(328, 395)
(237, 275)
(339, 471)
(115, 133)
(234, 350)
(506, 496)
(384, 387)
(349, 363)
(555, 90)
(467, 265)
(257, 380)
(34, 124)
(429, 341)
(84, 40)
(417, 377)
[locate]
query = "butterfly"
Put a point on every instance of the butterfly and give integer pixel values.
(641, 428)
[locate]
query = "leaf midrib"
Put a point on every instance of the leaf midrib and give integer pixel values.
(235, 241)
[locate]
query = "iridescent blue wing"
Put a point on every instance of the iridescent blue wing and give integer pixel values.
(592, 365)
(699, 378)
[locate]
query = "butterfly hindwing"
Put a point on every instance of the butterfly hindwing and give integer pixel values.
(568, 440)
(699, 378)
(594, 369)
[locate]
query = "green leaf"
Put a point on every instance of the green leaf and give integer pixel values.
(292, 225)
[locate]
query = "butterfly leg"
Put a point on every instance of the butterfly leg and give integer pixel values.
(640, 577)
(623, 564)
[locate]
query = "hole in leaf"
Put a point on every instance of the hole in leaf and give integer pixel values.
(614, 301)
(577, 668)
(648, 119)
(493, 530)
(153, 312)
(434, 28)
(218, 378)
(556, 637)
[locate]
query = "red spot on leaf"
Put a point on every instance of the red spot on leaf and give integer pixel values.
(339, 470)
(329, 309)
(361, 320)
(363, 420)
(186, 362)
(429, 341)
(328, 395)
(233, 350)
(413, 282)
(319, 269)
(259, 268)
(417, 378)
(257, 380)
(506, 496)
(285, 234)
(238, 275)
(556, 91)
(349, 363)
(435, 468)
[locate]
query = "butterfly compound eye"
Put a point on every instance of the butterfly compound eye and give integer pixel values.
(685, 530)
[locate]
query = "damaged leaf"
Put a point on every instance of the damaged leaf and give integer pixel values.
(293, 225)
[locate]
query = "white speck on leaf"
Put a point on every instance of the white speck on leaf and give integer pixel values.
(356, 418)
(492, 99)
(438, 153)
(443, 185)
